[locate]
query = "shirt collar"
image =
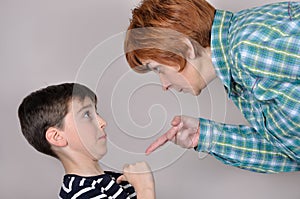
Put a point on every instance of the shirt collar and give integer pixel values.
(219, 46)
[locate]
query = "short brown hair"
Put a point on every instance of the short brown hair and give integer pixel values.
(157, 29)
(47, 108)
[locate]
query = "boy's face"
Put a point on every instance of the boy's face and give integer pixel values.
(85, 129)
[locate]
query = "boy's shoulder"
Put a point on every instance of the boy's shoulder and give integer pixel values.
(107, 174)
(99, 185)
(112, 174)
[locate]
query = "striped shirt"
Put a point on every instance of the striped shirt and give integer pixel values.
(256, 54)
(95, 187)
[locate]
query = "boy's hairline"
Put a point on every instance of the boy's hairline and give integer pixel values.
(79, 98)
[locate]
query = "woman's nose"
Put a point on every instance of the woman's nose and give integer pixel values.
(165, 84)
(165, 87)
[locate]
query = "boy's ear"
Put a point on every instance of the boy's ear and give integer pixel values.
(56, 137)
(191, 50)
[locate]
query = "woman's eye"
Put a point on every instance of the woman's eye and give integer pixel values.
(156, 69)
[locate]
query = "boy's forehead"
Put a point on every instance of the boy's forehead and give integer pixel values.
(76, 103)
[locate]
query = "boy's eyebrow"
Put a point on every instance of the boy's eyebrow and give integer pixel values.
(85, 107)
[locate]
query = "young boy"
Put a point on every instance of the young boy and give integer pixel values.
(62, 121)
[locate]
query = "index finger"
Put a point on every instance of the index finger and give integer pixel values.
(176, 120)
(169, 135)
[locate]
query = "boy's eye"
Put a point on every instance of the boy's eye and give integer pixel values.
(87, 114)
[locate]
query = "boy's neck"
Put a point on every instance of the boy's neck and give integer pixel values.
(87, 171)
(82, 167)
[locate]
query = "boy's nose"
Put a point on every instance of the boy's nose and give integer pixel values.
(102, 122)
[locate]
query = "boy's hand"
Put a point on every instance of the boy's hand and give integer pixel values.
(139, 175)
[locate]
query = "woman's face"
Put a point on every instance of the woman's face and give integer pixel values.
(189, 80)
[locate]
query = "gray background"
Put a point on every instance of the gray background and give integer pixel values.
(49, 42)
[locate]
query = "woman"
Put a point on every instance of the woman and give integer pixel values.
(255, 53)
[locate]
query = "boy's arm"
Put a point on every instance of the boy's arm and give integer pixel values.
(139, 175)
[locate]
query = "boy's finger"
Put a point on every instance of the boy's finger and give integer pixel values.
(125, 166)
(121, 179)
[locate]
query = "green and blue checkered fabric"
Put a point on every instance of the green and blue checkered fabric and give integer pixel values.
(256, 54)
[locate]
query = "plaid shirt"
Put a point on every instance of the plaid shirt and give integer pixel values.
(256, 54)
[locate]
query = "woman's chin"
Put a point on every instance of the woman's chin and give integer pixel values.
(196, 93)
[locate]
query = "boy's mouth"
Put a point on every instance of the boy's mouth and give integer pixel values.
(102, 137)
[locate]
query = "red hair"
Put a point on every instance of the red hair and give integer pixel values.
(158, 30)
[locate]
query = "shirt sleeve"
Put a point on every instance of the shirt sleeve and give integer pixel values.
(241, 146)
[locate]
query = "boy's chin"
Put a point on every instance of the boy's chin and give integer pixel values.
(100, 156)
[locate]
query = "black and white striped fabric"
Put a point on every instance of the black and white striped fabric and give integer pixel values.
(95, 187)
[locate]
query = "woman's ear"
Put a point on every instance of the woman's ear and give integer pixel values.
(191, 50)
(56, 137)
